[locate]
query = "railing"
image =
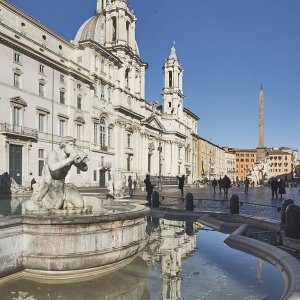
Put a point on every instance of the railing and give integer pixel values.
(104, 165)
(19, 130)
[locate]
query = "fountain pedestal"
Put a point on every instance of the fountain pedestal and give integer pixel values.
(72, 246)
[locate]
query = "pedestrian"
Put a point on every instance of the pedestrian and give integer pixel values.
(220, 183)
(181, 184)
(226, 182)
(130, 186)
(149, 189)
(134, 185)
(214, 183)
(281, 187)
(274, 187)
(32, 182)
(246, 183)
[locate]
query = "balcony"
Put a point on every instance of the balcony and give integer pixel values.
(99, 148)
(18, 131)
(104, 165)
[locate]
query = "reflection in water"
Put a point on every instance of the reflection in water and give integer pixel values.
(173, 266)
(169, 244)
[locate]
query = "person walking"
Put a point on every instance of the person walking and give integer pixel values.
(181, 184)
(214, 183)
(130, 186)
(281, 187)
(274, 187)
(149, 189)
(226, 185)
(220, 183)
(246, 183)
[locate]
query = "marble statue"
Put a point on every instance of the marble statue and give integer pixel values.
(53, 195)
(116, 185)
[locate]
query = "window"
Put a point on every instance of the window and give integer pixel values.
(127, 77)
(127, 31)
(17, 80)
(41, 154)
(102, 65)
(41, 126)
(41, 89)
(79, 103)
(78, 131)
(17, 57)
(102, 131)
(62, 97)
(95, 175)
(96, 129)
(114, 29)
(62, 78)
(16, 118)
(170, 104)
(128, 140)
(62, 125)
(102, 91)
(170, 79)
(108, 94)
(42, 69)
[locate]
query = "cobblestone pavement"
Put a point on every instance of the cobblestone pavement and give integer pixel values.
(258, 202)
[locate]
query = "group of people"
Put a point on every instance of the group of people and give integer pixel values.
(277, 187)
(223, 183)
(132, 184)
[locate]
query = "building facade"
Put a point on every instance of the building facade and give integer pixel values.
(245, 160)
(211, 160)
(92, 88)
(281, 162)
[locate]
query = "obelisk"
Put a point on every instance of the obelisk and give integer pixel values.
(261, 150)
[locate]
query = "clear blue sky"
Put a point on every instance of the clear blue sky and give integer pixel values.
(227, 48)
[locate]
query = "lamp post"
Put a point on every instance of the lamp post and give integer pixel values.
(159, 167)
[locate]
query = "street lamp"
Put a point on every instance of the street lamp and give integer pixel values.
(159, 167)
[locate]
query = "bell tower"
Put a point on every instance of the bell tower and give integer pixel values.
(172, 88)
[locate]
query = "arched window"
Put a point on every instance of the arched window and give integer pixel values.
(127, 77)
(102, 132)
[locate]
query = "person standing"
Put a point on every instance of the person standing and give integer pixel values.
(149, 189)
(214, 184)
(226, 185)
(281, 187)
(274, 187)
(181, 183)
(246, 183)
(220, 183)
(130, 186)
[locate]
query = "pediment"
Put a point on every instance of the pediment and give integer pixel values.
(18, 100)
(153, 122)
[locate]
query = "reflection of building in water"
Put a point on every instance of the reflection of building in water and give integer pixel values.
(170, 244)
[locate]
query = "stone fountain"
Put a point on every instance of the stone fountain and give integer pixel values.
(64, 235)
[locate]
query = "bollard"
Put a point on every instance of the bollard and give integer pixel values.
(292, 218)
(234, 204)
(189, 202)
(284, 205)
(155, 199)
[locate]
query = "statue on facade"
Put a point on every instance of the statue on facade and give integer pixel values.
(53, 195)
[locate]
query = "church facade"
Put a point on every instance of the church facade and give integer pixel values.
(92, 88)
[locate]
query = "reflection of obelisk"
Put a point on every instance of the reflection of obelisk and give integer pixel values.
(261, 151)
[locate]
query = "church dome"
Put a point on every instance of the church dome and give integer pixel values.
(92, 29)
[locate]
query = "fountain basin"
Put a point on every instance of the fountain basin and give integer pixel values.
(71, 246)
